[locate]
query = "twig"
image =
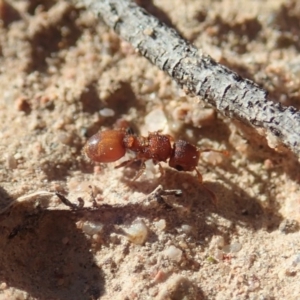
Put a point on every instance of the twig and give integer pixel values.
(159, 192)
(70, 204)
(199, 74)
(11, 201)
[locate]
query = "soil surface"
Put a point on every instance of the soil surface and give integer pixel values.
(64, 76)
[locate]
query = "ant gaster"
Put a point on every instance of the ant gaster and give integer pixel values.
(110, 145)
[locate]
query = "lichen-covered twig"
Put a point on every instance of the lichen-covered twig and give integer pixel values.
(199, 74)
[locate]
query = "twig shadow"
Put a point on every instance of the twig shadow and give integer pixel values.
(44, 254)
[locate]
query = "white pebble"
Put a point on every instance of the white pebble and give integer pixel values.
(235, 247)
(106, 112)
(160, 224)
(173, 253)
(156, 120)
(137, 233)
(64, 138)
(91, 228)
(253, 284)
(186, 228)
(232, 248)
(17, 156)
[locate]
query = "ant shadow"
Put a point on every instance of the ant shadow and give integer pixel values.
(258, 151)
(5, 200)
(44, 254)
(233, 203)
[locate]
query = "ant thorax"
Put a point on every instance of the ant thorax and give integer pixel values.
(135, 143)
(156, 146)
(160, 146)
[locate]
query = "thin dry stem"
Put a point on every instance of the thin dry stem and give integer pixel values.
(197, 73)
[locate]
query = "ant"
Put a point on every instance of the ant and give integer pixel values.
(110, 145)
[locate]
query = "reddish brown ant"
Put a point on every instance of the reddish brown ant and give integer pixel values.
(110, 145)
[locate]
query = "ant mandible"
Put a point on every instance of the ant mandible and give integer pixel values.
(110, 145)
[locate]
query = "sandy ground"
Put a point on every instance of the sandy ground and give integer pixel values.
(60, 70)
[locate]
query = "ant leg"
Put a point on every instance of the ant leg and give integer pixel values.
(224, 152)
(140, 172)
(159, 193)
(67, 202)
(130, 161)
(199, 175)
(125, 163)
(211, 193)
(161, 169)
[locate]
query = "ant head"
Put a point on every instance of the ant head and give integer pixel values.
(185, 156)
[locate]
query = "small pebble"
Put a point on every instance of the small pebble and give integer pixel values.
(160, 224)
(137, 233)
(235, 247)
(160, 276)
(91, 228)
(156, 120)
(290, 272)
(232, 248)
(173, 253)
(64, 138)
(253, 285)
(22, 105)
(107, 112)
(148, 31)
(18, 156)
(187, 229)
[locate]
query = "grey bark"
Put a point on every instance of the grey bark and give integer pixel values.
(198, 73)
